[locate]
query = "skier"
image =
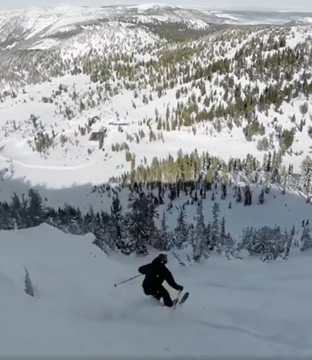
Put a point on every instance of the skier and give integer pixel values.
(155, 274)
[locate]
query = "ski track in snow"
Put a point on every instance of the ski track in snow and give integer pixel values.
(248, 306)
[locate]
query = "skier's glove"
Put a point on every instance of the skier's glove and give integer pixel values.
(180, 288)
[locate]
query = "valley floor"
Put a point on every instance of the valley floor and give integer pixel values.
(236, 307)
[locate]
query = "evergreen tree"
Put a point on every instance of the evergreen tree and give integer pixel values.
(247, 238)
(238, 194)
(181, 232)
(199, 233)
(116, 222)
(306, 239)
(6, 217)
(223, 191)
(163, 242)
(247, 196)
(305, 180)
(207, 239)
(140, 223)
(215, 229)
(222, 230)
(35, 209)
(288, 238)
(261, 198)
(20, 218)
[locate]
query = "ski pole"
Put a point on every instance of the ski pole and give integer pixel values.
(122, 282)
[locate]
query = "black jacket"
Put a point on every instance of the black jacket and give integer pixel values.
(155, 274)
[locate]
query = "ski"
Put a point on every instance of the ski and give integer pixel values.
(184, 298)
(182, 301)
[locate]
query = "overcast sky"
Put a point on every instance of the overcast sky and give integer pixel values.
(239, 4)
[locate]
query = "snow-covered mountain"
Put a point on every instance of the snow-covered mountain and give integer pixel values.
(115, 101)
(150, 95)
(138, 129)
(20, 25)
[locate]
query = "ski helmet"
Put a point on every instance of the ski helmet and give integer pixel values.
(163, 258)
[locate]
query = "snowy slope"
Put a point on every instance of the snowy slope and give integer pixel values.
(64, 105)
(236, 308)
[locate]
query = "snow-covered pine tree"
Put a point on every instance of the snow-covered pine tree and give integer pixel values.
(18, 220)
(102, 229)
(199, 234)
(215, 228)
(223, 191)
(268, 162)
(181, 231)
(288, 238)
(285, 179)
(163, 241)
(261, 197)
(267, 242)
(238, 194)
(276, 166)
(35, 207)
(222, 230)
(69, 223)
(305, 180)
(117, 226)
(306, 239)
(247, 196)
(75, 218)
(207, 237)
(140, 223)
(247, 238)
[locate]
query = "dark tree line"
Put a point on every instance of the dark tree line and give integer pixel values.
(134, 229)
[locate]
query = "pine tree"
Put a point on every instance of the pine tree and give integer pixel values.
(247, 196)
(163, 242)
(247, 238)
(116, 224)
(207, 243)
(6, 217)
(181, 232)
(35, 207)
(288, 239)
(15, 210)
(285, 179)
(223, 191)
(261, 198)
(222, 229)
(306, 239)
(305, 180)
(69, 223)
(199, 233)
(215, 232)
(238, 194)
(140, 223)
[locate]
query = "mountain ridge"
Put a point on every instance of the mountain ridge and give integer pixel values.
(24, 24)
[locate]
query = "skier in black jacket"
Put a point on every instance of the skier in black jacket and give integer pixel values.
(155, 274)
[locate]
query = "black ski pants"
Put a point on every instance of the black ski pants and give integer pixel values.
(158, 293)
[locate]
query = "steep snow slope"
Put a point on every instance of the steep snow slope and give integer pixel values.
(236, 308)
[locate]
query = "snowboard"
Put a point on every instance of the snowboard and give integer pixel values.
(182, 300)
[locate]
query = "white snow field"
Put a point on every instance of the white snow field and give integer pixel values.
(245, 308)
